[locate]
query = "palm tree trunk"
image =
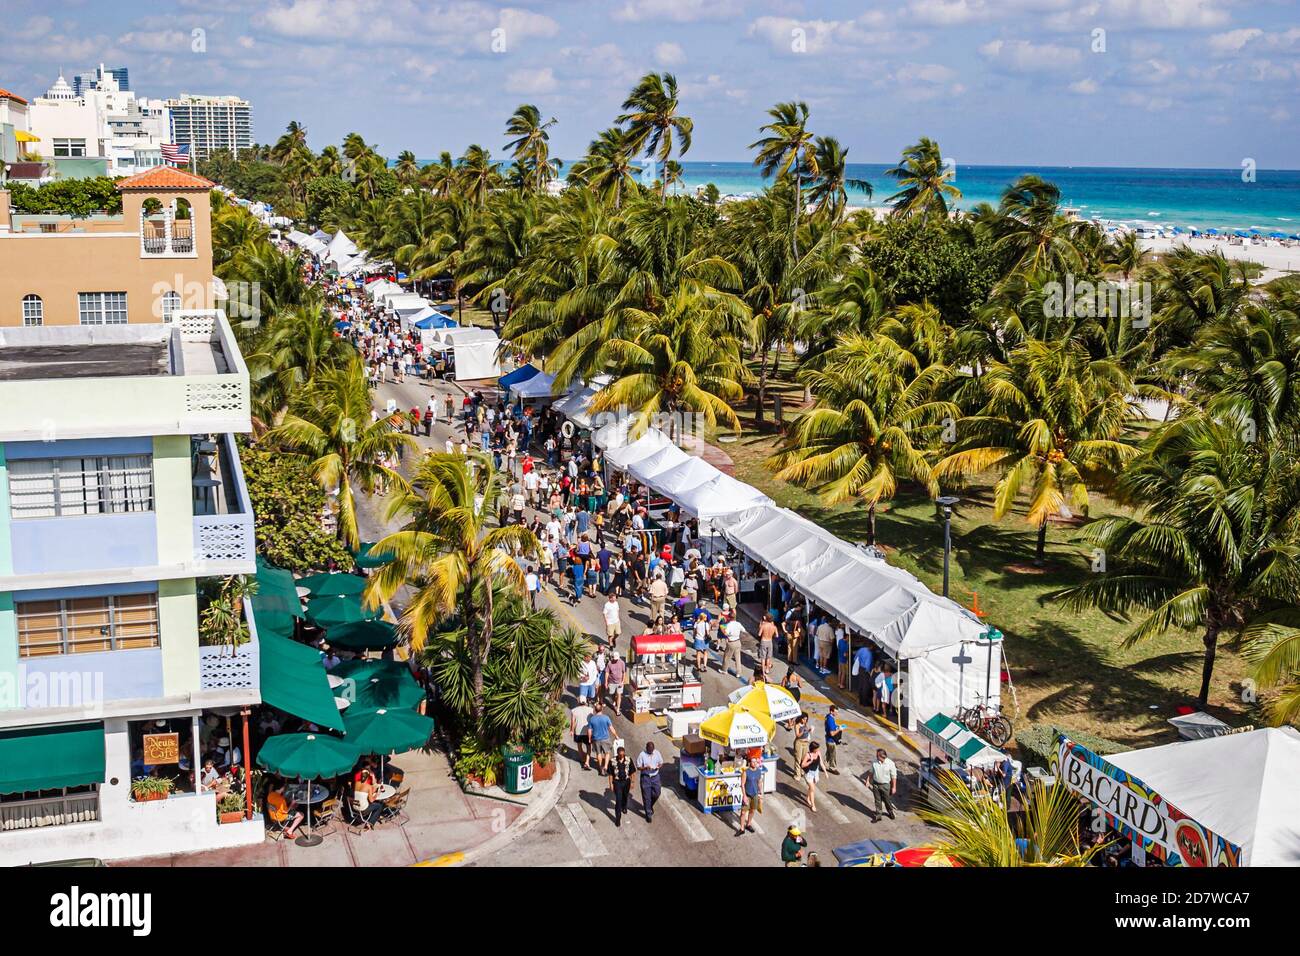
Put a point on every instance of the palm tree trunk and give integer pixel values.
(762, 385)
(871, 524)
(798, 201)
(1040, 551)
(1211, 641)
(485, 642)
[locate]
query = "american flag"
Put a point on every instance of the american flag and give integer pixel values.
(176, 155)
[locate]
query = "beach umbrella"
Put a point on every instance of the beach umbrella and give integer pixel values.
(363, 636)
(1277, 235)
(1211, 232)
(308, 757)
(332, 610)
(388, 731)
(323, 585)
(770, 699)
(738, 728)
(366, 557)
(374, 684)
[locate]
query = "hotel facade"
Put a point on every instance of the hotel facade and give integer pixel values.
(121, 498)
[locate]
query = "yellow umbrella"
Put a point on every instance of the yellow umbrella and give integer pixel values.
(738, 728)
(770, 699)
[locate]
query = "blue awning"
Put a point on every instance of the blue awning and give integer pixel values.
(438, 321)
(522, 374)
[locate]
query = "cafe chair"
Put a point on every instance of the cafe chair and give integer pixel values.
(395, 810)
(354, 819)
(322, 821)
(278, 818)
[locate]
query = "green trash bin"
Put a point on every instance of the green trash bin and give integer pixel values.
(519, 769)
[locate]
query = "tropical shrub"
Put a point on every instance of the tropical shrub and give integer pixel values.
(287, 508)
(1037, 744)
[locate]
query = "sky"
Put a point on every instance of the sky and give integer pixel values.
(1186, 83)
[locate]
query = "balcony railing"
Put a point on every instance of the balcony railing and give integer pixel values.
(49, 811)
(220, 668)
(174, 238)
(224, 541)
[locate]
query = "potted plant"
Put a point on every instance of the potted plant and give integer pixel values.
(546, 741)
(151, 788)
(230, 808)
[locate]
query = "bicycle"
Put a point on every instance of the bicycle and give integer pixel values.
(986, 723)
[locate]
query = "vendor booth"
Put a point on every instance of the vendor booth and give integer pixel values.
(474, 351)
(1228, 800)
(956, 752)
(661, 677)
(733, 734)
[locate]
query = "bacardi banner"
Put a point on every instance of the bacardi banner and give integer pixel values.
(1139, 813)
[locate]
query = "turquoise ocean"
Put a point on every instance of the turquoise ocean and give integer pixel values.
(1192, 198)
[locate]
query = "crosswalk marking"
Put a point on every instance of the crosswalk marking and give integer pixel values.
(832, 806)
(583, 834)
(690, 826)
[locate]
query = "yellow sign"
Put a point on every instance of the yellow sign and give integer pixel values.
(723, 793)
(161, 749)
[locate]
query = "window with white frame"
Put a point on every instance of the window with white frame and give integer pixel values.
(87, 625)
(33, 310)
(95, 485)
(102, 308)
(171, 301)
(64, 148)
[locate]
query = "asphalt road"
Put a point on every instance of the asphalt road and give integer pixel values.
(580, 830)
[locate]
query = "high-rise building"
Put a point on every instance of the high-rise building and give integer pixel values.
(209, 123)
(121, 388)
(86, 81)
(102, 121)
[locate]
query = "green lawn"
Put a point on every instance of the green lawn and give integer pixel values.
(1067, 668)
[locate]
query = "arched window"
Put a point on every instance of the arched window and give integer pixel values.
(153, 226)
(33, 310)
(182, 226)
(171, 301)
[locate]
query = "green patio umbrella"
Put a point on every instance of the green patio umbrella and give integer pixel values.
(332, 610)
(308, 757)
(273, 622)
(388, 731)
(276, 590)
(323, 585)
(366, 557)
(374, 684)
(363, 636)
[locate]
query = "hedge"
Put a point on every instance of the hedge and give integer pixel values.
(1037, 744)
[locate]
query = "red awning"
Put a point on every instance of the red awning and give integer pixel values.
(659, 644)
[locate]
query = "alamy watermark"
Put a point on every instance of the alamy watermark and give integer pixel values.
(1085, 299)
(40, 689)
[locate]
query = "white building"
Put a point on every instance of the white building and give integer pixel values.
(104, 121)
(208, 123)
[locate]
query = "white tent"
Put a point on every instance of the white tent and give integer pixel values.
(296, 237)
(883, 602)
(314, 246)
(576, 405)
(665, 459)
(1242, 787)
(382, 287)
(476, 352)
(404, 302)
(645, 446)
(721, 495)
(688, 474)
(341, 247)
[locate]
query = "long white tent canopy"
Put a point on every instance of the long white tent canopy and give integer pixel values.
(880, 601)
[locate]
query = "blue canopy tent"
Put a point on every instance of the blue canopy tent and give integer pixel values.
(341, 325)
(522, 374)
(434, 320)
(1242, 234)
(1277, 235)
(1211, 232)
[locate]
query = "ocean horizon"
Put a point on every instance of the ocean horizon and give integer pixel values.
(1192, 198)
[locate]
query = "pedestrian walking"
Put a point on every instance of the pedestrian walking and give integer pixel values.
(578, 717)
(812, 771)
(753, 804)
(613, 622)
(802, 739)
(587, 675)
(834, 734)
(883, 777)
(648, 763)
(615, 680)
(766, 644)
(733, 631)
(533, 584)
(621, 772)
(601, 729)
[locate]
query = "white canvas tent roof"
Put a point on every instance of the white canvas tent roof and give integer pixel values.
(382, 287)
(341, 247)
(669, 456)
(645, 446)
(402, 301)
(721, 495)
(576, 405)
(683, 476)
(539, 386)
(1252, 804)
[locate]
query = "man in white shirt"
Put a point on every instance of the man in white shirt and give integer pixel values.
(648, 763)
(532, 584)
(734, 631)
(588, 674)
(882, 775)
(531, 482)
(578, 718)
(613, 625)
(449, 445)
(825, 635)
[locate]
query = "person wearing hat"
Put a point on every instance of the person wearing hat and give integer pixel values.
(792, 847)
(615, 680)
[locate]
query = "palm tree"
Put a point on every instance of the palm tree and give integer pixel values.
(530, 145)
(1213, 546)
(876, 414)
(330, 423)
(979, 831)
(652, 118)
(292, 140)
(440, 177)
(330, 162)
(925, 180)
(354, 146)
(478, 175)
(1033, 232)
(1051, 423)
(607, 168)
(302, 344)
(785, 150)
(450, 558)
(406, 170)
(1126, 254)
(672, 177)
(829, 192)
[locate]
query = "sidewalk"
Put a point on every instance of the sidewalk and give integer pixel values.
(447, 827)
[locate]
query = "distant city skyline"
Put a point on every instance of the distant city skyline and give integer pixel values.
(1138, 83)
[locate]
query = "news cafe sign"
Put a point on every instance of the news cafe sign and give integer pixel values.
(1140, 813)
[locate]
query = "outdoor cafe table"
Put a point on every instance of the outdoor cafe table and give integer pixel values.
(383, 792)
(300, 793)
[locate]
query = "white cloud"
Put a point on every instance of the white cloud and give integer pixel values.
(787, 36)
(1234, 41)
(1086, 87)
(947, 13)
(156, 41)
(669, 54)
(531, 81)
(677, 11)
(524, 23)
(1024, 56)
(1154, 14)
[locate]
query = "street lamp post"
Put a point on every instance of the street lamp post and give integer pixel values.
(946, 502)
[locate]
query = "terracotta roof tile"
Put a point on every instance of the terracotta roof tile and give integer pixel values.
(6, 95)
(164, 177)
